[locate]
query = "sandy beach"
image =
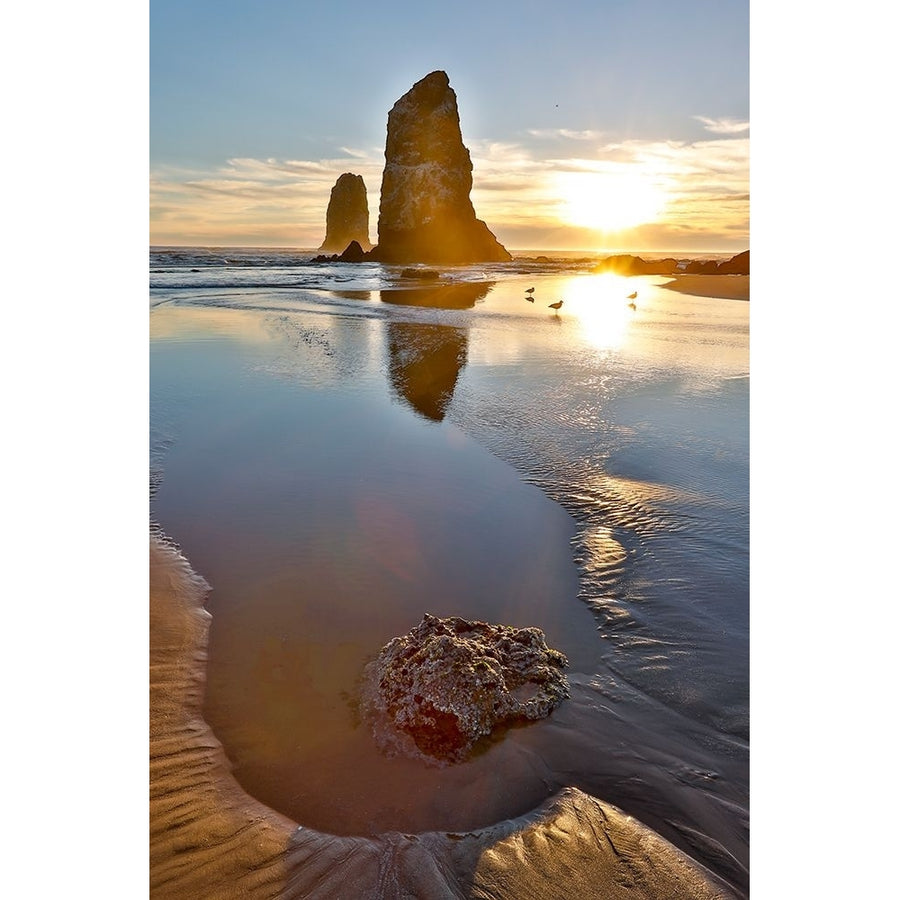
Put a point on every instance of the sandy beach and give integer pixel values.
(210, 839)
(724, 287)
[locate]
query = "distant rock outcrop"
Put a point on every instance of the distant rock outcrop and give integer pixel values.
(426, 214)
(626, 264)
(347, 218)
(702, 267)
(420, 274)
(353, 253)
(432, 693)
(737, 265)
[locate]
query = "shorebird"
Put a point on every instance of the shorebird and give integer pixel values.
(633, 296)
(529, 290)
(556, 305)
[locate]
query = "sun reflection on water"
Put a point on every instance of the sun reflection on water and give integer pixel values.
(601, 304)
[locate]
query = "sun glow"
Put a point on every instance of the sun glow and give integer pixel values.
(608, 201)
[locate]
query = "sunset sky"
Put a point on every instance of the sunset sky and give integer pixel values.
(602, 124)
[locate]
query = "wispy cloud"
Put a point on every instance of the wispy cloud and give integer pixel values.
(723, 126)
(354, 153)
(565, 134)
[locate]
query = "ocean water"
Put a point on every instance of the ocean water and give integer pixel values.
(338, 449)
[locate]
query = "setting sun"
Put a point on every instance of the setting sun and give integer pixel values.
(609, 201)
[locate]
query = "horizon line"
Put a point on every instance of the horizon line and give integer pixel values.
(301, 249)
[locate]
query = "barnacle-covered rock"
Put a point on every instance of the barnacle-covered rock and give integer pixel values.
(435, 691)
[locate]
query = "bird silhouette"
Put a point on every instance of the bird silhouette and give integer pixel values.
(556, 305)
(529, 290)
(633, 296)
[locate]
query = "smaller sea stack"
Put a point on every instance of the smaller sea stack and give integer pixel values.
(347, 217)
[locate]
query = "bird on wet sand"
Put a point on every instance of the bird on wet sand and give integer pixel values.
(633, 296)
(556, 305)
(529, 290)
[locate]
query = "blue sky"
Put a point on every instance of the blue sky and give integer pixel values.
(256, 109)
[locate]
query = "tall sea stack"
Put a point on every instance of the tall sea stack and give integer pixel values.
(347, 218)
(426, 214)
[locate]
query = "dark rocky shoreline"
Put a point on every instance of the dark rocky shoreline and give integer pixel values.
(620, 264)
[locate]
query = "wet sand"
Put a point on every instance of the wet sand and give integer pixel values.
(207, 837)
(210, 839)
(725, 287)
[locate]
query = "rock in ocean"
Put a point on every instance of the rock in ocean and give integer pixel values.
(435, 691)
(426, 214)
(347, 217)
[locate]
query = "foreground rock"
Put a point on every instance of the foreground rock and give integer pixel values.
(347, 217)
(425, 213)
(432, 693)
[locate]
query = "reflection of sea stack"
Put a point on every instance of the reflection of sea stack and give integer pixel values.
(347, 218)
(442, 296)
(426, 214)
(425, 362)
(425, 359)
